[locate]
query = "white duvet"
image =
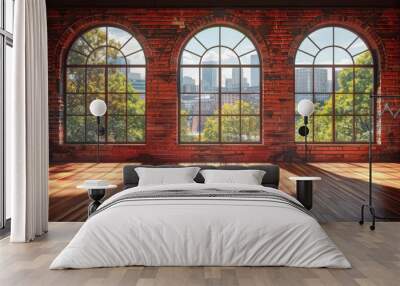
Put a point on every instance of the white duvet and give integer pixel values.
(200, 231)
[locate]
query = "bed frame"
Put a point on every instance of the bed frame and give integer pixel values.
(270, 179)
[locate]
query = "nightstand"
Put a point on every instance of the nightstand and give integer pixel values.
(96, 191)
(304, 190)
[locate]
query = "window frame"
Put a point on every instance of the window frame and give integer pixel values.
(332, 67)
(219, 92)
(106, 93)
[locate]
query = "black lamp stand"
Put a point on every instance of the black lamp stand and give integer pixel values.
(370, 205)
(100, 132)
(304, 131)
(98, 138)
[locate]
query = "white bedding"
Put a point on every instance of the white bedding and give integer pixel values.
(200, 231)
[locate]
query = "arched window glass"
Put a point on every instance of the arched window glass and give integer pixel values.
(219, 88)
(105, 63)
(335, 69)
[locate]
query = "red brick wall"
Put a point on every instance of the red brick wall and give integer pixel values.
(276, 32)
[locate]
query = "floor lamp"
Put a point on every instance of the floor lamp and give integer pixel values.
(372, 122)
(98, 108)
(306, 109)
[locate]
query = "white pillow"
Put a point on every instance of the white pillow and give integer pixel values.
(166, 176)
(248, 177)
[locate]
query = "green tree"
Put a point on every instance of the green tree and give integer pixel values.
(232, 125)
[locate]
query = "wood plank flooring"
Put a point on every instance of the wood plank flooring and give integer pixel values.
(344, 187)
(375, 258)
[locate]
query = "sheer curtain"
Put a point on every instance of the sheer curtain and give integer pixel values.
(27, 122)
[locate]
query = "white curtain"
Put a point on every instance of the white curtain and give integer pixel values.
(27, 124)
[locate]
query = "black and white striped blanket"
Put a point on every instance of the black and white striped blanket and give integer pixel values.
(205, 194)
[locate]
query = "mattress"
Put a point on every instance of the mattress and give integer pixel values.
(201, 225)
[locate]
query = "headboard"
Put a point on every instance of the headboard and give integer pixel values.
(270, 179)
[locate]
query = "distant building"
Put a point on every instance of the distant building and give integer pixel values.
(195, 125)
(304, 80)
(233, 84)
(209, 78)
(188, 84)
(139, 84)
(209, 104)
(228, 84)
(187, 103)
(245, 84)
(236, 77)
(321, 82)
(229, 99)
(255, 73)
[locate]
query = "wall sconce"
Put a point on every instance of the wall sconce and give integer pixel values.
(306, 109)
(98, 108)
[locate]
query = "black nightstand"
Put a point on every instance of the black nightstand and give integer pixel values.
(304, 190)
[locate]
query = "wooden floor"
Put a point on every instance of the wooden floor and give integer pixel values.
(375, 258)
(344, 187)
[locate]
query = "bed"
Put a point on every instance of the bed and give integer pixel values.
(197, 224)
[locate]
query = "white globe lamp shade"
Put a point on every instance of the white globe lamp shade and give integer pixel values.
(305, 107)
(98, 107)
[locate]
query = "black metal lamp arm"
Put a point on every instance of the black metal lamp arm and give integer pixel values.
(305, 139)
(98, 139)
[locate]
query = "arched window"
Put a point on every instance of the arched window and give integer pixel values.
(219, 88)
(334, 68)
(106, 63)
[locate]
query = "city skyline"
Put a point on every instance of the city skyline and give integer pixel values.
(209, 81)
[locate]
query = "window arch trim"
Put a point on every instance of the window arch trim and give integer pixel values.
(358, 36)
